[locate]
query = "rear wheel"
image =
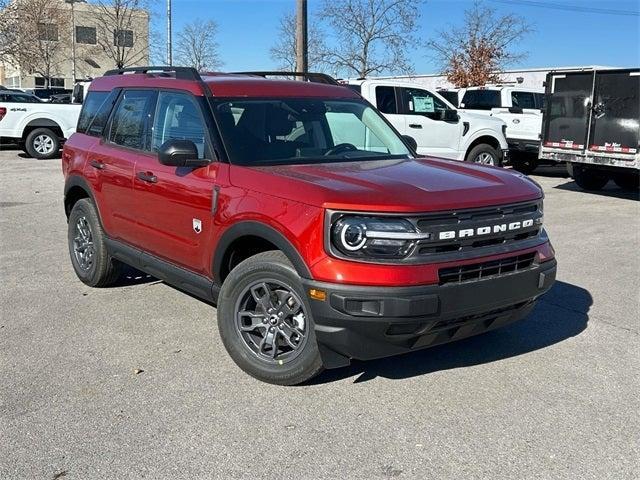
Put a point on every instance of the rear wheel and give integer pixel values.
(590, 179)
(265, 322)
(484, 154)
(627, 180)
(525, 163)
(42, 143)
(89, 255)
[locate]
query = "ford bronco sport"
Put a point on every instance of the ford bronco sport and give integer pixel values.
(242, 190)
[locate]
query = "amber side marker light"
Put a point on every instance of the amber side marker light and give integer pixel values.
(318, 294)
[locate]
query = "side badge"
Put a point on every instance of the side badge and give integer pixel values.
(197, 225)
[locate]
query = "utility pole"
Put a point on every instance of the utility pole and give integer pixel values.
(73, 36)
(302, 63)
(169, 45)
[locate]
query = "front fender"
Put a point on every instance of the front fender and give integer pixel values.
(485, 132)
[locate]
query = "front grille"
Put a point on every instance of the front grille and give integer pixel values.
(479, 271)
(472, 220)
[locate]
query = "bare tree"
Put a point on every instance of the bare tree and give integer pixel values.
(476, 52)
(371, 36)
(196, 45)
(30, 36)
(283, 52)
(120, 24)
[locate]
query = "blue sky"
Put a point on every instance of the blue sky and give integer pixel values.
(562, 37)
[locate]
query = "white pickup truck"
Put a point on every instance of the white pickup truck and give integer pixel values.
(438, 128)
(39, 128)
(520, 108)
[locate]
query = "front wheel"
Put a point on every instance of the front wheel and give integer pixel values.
(42, 143)
(484, 154)
(265, 322)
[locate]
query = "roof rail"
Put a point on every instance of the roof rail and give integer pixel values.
(182, 73)
(307, 76)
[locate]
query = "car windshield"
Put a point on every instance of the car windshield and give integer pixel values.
(288, 131)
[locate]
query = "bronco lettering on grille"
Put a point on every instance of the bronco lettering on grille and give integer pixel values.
(485, 230)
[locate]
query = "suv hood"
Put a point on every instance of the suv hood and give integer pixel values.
(407, 185)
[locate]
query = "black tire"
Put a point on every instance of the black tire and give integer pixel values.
(482, 150)
(100, 270)
(524, 166)
(271, 268)
(589, 178)
(42, 143)
(627, 180)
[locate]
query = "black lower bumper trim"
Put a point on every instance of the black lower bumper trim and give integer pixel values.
(373, 322)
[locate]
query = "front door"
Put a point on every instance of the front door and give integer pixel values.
(174, 204)
(423, 116)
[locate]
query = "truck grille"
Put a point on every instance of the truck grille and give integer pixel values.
(479, 271)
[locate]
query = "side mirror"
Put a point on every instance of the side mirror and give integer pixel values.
(515, 110)
(449, 115)
(409, 140)
(180, 153)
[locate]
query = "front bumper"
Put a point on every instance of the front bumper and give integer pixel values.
(372, 322)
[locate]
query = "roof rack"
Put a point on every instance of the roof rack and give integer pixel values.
(307, 76)
(182, 73)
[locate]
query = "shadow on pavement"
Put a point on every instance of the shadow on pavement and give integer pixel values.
(610, 190)
(561, 314)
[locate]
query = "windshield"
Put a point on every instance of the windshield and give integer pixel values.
(269, 132)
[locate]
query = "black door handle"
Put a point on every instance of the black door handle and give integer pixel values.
(147, 177)
(97, 164)
(415, 125)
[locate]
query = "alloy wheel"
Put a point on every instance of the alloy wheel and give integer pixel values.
(83, 248)
(271, 320)
(43, 144)
(485, 158)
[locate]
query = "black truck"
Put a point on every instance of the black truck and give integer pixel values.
(592, 122)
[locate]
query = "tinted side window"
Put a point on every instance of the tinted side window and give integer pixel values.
(481, 99)
(178, 116)
(540, 100)
(89, 109)
(523, 99)
(386, 99)
(130, 123)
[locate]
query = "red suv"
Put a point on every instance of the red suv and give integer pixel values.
(302, 213)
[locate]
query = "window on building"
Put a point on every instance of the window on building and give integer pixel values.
(86, 35)
(54, 82)
(48, 32)
(123, 38)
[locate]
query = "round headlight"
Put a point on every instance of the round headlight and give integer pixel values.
(352, 235)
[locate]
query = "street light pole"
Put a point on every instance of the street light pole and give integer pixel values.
(73, 36)
(169, 45)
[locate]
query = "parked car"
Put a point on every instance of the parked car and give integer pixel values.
(247, 192)
(521, 109)
(438, 128)
(38, 127)
(46, 93)
(593, 124)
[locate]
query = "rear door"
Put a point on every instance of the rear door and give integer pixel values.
(616, 110)
(567, 113)
(524, 118)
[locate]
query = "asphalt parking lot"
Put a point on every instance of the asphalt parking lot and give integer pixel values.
(133, 381)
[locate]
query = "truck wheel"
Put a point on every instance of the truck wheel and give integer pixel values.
(265, 321)
(42, 143)
(524, 166)
(590, 179)
(484, 154)
(627, 180)
(89, 255)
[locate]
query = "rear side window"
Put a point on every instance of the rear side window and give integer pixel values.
(523, 99)
(481, 99)
(386, 99)
(130, 122)
(89, 109)
(540, 101)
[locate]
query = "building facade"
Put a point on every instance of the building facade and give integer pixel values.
(98, 38)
